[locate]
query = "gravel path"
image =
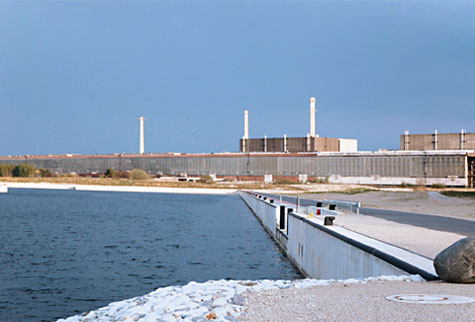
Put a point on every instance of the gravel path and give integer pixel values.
(418, 240)
(358, 302)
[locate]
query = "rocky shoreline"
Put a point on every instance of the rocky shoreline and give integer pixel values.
(221, 300)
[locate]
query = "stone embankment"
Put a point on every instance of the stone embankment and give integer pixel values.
(214, 300)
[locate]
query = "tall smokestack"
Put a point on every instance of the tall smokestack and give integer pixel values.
(141, 143)
(312, 116)
(246, 125)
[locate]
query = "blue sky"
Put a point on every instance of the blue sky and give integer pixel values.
(75, 76)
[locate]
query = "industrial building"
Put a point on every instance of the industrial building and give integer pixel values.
(308, 144)
(438, 141)
(451, 168)
(311, 143)
(424, 159)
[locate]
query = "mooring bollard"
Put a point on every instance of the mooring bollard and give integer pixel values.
(328, 221)
(282, 218)
(271, 200)
(289, 210)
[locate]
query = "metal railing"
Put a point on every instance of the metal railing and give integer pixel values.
(343, 205)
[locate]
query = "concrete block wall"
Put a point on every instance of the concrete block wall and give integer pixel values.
(322, 256)
(266, 212)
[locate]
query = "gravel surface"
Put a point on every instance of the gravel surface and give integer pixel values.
(358, 302)
(418, 240)
(424, 202)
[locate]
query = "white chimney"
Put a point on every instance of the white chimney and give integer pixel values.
(246, 125)
(312, 116)
(141, 143)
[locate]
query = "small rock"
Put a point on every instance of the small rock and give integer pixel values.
(238, 300)
(456, 263)
(211, 316)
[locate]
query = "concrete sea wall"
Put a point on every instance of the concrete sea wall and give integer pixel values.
(332, 252)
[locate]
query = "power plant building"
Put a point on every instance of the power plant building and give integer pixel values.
(302, 144)
(438, 141)
(311, 143)
(451, 168)
(424, 159)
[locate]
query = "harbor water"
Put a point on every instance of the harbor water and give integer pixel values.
(66, 252)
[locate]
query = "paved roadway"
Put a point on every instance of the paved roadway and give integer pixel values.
(434, 222)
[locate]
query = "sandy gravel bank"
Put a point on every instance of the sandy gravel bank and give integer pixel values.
(357, 302)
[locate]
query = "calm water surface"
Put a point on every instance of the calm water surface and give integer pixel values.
(67, 252)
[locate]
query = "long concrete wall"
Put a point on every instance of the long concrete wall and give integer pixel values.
(332, 252)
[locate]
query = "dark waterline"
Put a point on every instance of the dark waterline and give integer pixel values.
(67, 252)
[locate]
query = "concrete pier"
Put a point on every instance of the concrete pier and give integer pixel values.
(333, 252)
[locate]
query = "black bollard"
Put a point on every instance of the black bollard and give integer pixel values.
(282, 218)
(319, 204)
(289, 210)
(328, 221)
(332, 207)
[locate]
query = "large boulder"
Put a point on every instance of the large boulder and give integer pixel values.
(456, 263)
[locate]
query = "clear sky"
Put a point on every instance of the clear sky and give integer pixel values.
(75, 76)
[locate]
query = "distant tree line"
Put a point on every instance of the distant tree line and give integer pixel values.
(22, 170)
(29, 170)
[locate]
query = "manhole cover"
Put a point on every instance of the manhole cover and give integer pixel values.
(430, 299)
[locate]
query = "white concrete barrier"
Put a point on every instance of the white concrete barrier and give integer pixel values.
(379, 180)
(332, 252)
(40, 185)
(56, 186)
(3, 188)
(264, 210)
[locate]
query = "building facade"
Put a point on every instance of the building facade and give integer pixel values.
(451, 168)
(300, 144)
(438, 141)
